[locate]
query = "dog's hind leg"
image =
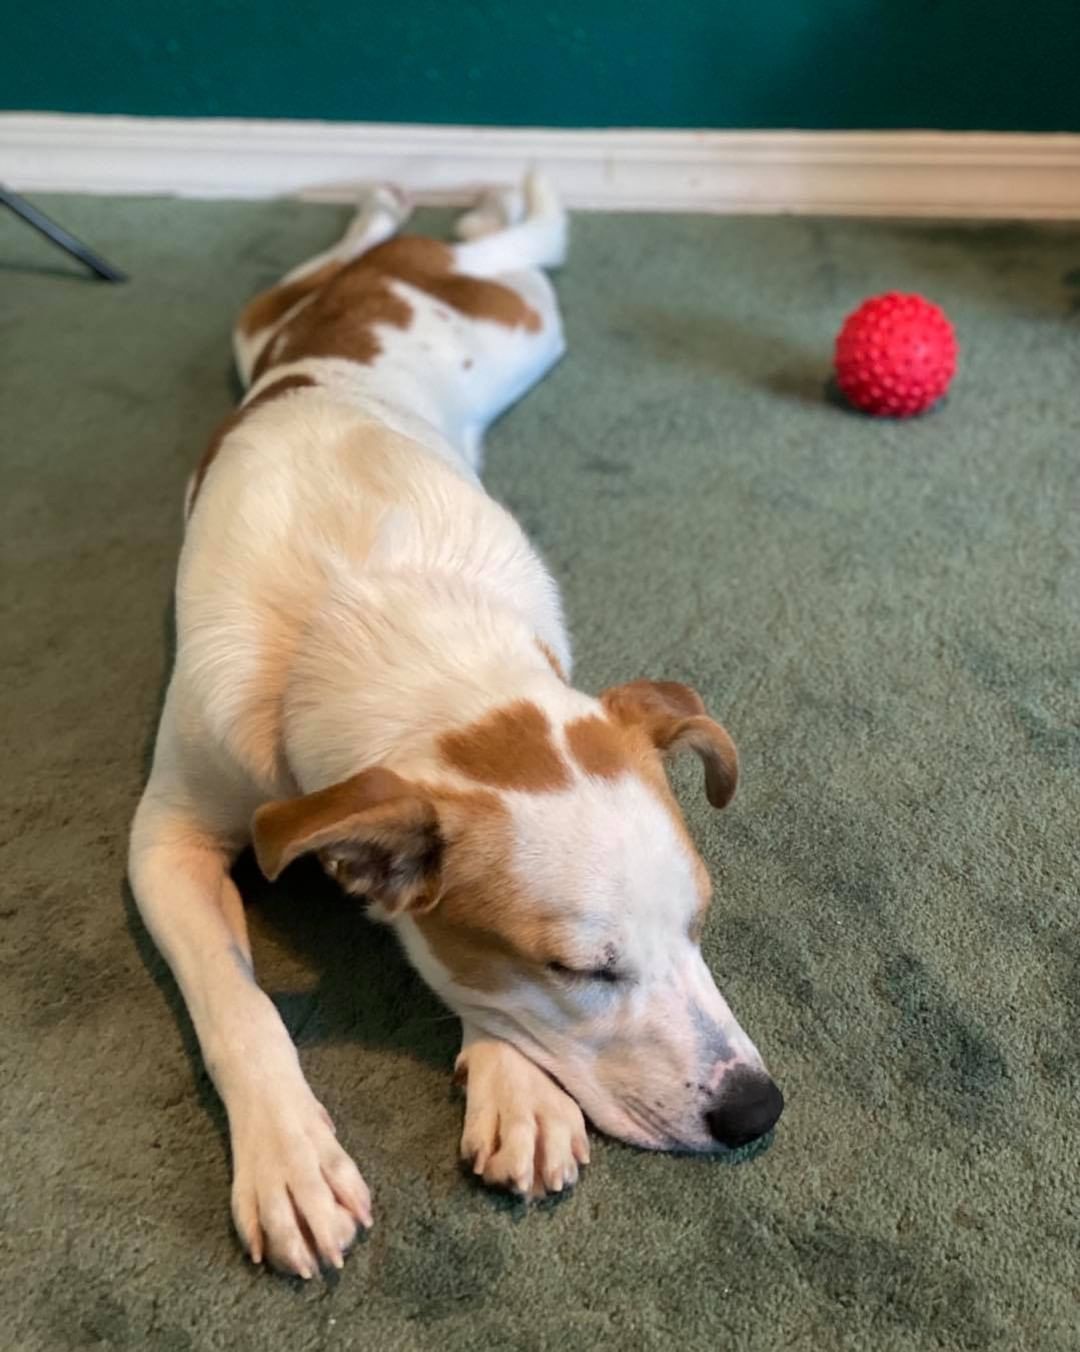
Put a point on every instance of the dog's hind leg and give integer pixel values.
(296, 1197)
(496, 209)
(509, 232)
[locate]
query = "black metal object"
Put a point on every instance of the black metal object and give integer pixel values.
(30, 214)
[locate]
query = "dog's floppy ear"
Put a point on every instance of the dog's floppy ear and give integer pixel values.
(376, 833)
(674, 717)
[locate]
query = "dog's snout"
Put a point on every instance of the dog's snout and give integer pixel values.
(749, 1105)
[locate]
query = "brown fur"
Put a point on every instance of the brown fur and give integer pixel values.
(269, 307)
(341, 321)
(235, 418)
(454, 848)
(353, 299)
(284, 830)
(673, 716)
(550, 658)
(468, 906)
(484, 929)
(508, 749)
(598, 746)
(475, 959)
(428, 264)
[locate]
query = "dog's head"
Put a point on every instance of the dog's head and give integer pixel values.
(544, 883)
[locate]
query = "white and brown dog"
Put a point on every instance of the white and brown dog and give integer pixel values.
(372, 666)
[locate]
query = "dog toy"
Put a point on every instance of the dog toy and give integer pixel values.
(895, 355)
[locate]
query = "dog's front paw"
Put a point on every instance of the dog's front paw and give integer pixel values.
(522, 1131)
(297, 1197)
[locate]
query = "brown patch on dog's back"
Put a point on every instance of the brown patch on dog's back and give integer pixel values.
(428, 264)
(510, 748)
(340, 321)
(228, 424)
(355, 298)
(269, 307)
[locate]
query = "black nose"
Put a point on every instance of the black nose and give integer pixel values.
(750, 1104)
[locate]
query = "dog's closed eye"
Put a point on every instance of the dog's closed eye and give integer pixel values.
(608, 974)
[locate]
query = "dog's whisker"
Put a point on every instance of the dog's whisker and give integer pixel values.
(650, 1118)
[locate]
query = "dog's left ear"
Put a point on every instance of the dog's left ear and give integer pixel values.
(376, 833)
(674, 717)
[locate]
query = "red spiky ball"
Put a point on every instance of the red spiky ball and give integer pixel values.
(895, 355)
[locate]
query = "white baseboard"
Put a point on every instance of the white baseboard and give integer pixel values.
(942, 174)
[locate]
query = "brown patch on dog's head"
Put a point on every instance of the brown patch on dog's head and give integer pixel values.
(510, 748)
(486, 931)
(599, 747)
(228, 424)
(673, 717)
(376, 833)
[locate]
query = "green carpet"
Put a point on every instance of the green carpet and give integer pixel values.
(886, 616)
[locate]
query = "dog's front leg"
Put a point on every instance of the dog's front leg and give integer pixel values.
(296, 1197)
(522, 1131)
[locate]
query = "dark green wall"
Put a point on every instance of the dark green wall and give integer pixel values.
(955, 64)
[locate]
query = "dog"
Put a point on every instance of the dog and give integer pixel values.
(372, 667)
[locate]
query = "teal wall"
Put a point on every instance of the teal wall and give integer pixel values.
(954, 64)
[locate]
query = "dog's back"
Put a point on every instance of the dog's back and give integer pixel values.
(448, 333)
(374, 370)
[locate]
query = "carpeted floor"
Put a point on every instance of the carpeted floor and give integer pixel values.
(886, 616)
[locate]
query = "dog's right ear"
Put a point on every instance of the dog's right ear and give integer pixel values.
(376, 833)
(673, 715)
